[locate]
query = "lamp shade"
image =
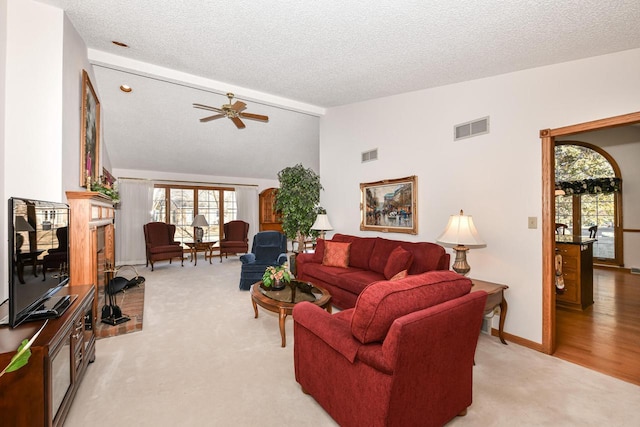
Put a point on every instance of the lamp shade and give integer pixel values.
(461, 231)
(199, 221)
(21, 224)
(322, 223)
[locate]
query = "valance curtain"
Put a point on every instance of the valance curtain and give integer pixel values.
(247, 205)
(591, 186)
(136, 199)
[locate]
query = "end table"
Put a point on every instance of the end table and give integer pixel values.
(494, 299)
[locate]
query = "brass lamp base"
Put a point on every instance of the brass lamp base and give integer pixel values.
(460, 264)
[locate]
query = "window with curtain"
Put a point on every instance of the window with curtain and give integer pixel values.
(178, 205)
(590, 179)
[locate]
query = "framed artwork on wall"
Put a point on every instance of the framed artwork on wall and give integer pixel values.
(390, 205)
(89, 134)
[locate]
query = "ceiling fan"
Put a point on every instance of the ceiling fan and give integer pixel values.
(233, 111)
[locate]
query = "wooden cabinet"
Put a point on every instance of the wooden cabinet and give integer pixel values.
(577, 271)
(41, 392)
(269, 217)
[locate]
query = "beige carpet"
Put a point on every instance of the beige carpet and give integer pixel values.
(203, 360)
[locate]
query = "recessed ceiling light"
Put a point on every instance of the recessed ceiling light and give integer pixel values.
(125, 88)
(117, 43)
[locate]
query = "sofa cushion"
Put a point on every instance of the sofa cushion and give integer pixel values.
(399, 259)
(325, 274)
(361, 248)
(382, 302)
(356, 281)
(336, 254)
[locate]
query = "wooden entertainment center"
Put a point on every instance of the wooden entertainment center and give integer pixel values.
(41, 392)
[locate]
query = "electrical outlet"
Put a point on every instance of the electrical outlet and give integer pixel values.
(533, 222)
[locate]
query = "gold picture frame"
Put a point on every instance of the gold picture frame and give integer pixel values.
(89, 133)
(390, 205)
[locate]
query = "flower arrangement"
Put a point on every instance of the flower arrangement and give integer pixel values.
(275, 274)
(104, 187)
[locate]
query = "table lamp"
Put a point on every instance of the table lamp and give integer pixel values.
(20, 225)
(198, 222)
(322, 224)
(460, 231)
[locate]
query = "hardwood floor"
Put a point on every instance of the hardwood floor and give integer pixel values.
(606, 336)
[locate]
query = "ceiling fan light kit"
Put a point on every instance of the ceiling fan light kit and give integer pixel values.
(233, 111)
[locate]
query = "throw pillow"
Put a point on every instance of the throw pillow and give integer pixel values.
(400, 275)
(336, 254)
(399, 259)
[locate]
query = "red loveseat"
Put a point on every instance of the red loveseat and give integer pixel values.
(402, 357)
(370, 259)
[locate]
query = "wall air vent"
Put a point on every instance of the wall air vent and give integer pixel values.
(369, 156)
(472, 128)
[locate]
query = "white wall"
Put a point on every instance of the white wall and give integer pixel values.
(41, 81)
(495, 177)
(74, 61)
(4, 262)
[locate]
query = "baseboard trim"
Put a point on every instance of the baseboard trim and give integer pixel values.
(518, 340)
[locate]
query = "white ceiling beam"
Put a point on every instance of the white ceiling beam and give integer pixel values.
(109, 60)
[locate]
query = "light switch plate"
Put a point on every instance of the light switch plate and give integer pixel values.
(533, 222)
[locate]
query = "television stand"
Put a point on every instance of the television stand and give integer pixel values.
(41, 392)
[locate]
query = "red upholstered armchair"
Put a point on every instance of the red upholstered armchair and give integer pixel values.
(235, 239)
(403, 356)
(158, 237)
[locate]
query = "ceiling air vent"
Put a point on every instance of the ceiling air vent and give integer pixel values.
(472, 128)
(369, 156)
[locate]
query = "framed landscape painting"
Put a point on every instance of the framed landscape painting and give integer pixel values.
(390, 206)
(89, 133)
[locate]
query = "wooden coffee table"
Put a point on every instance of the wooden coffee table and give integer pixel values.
(283, 301)
(206, 247)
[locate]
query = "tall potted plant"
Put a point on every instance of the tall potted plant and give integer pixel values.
(296, 199)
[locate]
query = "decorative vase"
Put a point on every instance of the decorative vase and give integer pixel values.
(278, 285)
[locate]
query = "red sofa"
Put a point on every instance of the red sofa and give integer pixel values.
(370, 259)
(402, 357)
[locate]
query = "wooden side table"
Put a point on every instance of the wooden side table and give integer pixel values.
(206, 247)
(494, 299)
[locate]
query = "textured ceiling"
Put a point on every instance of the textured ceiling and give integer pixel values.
(324, 54)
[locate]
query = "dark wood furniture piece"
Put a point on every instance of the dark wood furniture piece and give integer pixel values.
(577, 272)
(206, 247)
(269, 217)
(495, 299)
(41, 392)
(283, 301)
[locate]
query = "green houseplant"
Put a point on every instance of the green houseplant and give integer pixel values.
(297, 198)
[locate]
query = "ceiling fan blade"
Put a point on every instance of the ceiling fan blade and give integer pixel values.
(208, 119)
(206, 107)
(238, 106)
(254, 117)
(238, 122)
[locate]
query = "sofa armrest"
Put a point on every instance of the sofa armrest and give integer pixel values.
(335, 333)
(248, 258)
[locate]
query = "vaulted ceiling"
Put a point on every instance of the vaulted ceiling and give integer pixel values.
(291, 60)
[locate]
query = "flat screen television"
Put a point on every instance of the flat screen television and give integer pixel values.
(38, 259)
